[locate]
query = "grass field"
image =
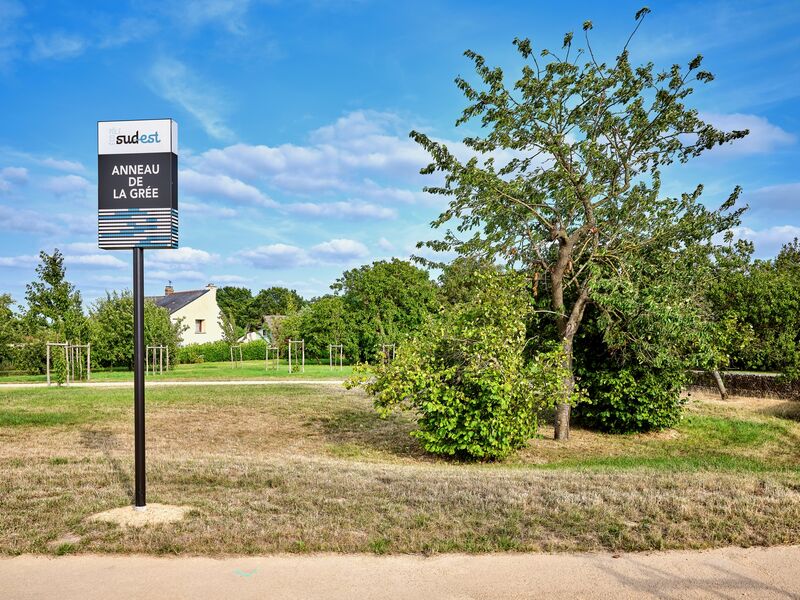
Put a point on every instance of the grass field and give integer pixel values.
(212, 371)
(298, 469)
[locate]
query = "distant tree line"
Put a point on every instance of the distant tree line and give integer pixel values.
(54, 312)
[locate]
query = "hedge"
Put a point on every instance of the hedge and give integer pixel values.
(220, 352)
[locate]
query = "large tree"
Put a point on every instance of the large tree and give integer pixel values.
(577, 198)
(238, 303)
(384, 302)
(277, 300)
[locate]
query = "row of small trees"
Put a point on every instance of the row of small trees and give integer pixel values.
(54, 313)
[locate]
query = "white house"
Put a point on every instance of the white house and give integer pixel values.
(197, 308)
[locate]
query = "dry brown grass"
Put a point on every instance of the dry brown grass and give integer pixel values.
(303, 469)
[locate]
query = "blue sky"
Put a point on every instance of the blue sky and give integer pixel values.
(295, 159)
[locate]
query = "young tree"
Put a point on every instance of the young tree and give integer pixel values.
(53, 302)
(230, 332)
(581, 197)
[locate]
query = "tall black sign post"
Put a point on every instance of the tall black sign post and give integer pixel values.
(137, 202)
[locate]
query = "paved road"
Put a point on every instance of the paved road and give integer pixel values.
(724, 573)
(129, 384)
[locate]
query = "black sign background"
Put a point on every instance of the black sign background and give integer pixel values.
(166, 181)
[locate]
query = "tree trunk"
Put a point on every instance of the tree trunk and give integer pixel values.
(720, 384)
(563, 408)
(562, 421)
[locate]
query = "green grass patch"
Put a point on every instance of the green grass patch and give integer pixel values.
(707, 462)
(26, 418)
(720, 432)
(211, 371)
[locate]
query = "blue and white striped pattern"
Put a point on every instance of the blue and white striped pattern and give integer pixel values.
(120, 228)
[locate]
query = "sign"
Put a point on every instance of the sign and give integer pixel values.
(137, 208)
(137, 184)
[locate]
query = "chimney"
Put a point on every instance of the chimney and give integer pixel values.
(168, 289)
(211, 286)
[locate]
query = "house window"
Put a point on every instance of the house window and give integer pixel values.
(199, 325)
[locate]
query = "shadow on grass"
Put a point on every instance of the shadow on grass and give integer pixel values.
(359, 432)
(788, 409)
(105, 441)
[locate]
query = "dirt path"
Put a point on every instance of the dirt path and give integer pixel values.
(129, 384)
(723, 573)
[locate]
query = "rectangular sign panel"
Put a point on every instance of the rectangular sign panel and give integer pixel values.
(137, 184)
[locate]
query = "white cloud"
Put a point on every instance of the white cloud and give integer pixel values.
(14, 174)
(128, 30)
(115, 279)
(11, 177)
(774, 198)
(79, 247)
(385, 245)
(93, 260)
(172, 80)
(80, 223)
(185, 255)
(45, 223)
(176, 274)
(342, 210)
(87, 254)
(57, 46)
(275, 256)
(67, 184)
(70, 166)
(228, 279)
(11, 12)
(364, 156)
(21, 262)
(229, 14)
(25, 221)
(207, 210)
(336, 159)
(201, 184)
(764, 137)
(768, 241)
(339, 250)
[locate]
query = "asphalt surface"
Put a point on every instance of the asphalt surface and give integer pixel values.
(723, 573)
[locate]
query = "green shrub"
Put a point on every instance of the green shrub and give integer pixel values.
(631, 398)
(220, 352)
(465, 377)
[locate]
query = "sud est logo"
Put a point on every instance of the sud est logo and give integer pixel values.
(136, 138)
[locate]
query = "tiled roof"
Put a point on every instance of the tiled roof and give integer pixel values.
(177, 300)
